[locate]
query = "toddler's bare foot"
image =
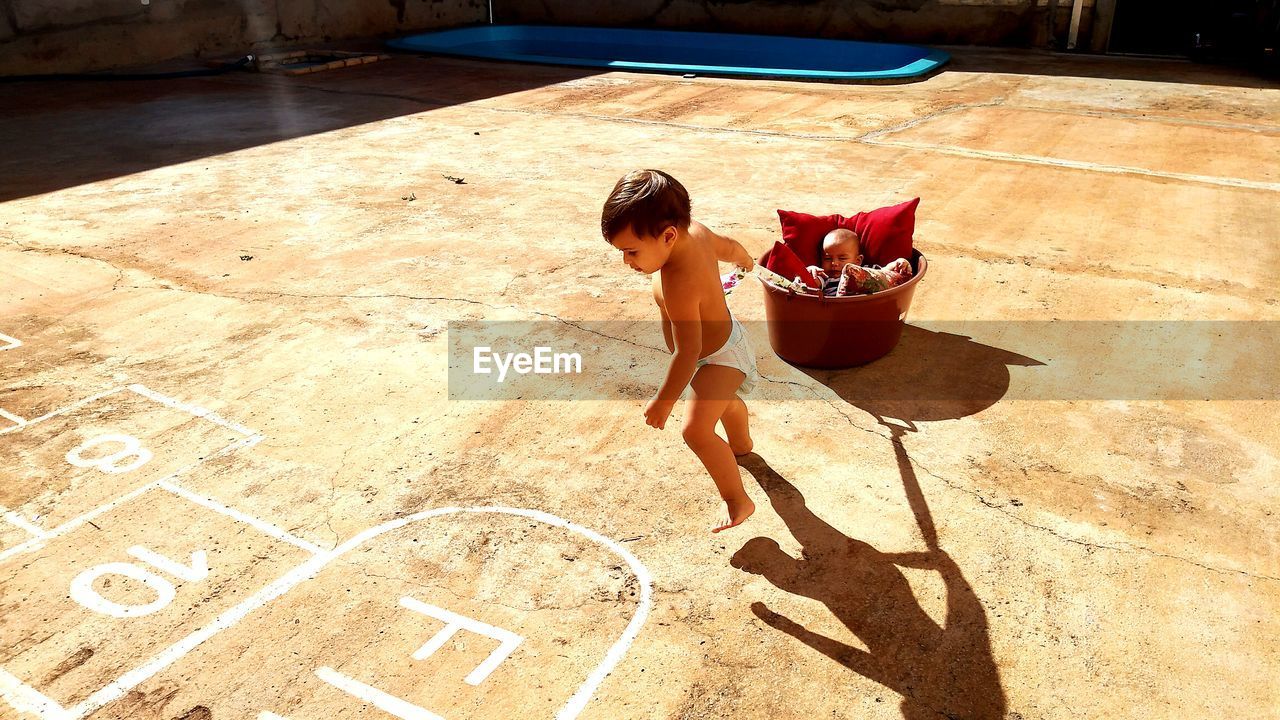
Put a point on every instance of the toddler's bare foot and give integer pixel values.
(739, 510)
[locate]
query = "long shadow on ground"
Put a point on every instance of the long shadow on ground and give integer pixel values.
(929, 376)
(942, 670)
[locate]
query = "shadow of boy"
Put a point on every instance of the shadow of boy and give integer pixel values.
(945, 671)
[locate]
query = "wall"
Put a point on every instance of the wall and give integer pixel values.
(44, 36)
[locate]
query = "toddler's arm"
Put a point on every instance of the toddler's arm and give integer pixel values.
(727, 249)
(686, 331)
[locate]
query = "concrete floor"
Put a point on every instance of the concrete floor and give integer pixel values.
(244, 245)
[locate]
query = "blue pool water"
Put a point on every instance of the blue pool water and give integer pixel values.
(684, 52)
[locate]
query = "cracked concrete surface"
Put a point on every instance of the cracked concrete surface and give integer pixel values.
(983, 556)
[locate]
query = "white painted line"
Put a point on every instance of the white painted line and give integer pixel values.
(73, 523)
(22, 522)
(196, 410)
(262, 525)
(12, 418)
(77, 521)
(25, 699)
(9, 342)
(455, 622)
(1074, 164)
(62, 411)
(229, 618)
(374, 696)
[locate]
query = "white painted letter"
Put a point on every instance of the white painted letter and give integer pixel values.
(454, 622)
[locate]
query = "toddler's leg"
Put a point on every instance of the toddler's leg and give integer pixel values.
(736, 427)
(713, 391)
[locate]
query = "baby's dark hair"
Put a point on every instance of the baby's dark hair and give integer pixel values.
(647, 201)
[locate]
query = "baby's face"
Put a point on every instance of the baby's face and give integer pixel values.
(644, 254)
(838, 252)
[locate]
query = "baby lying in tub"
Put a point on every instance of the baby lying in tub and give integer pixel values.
(842, 273)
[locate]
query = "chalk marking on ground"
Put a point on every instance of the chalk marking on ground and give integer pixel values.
(195, 572)
(23, 523)
(62, 411)
(1074, 164)
(372, 695)
(252, 438)
(77, 521)
(229, 618)
(25, 699)
(262, 525)
(454, 622)
(12, 418)
(9, 342)
(82, 590)
(132, 448)
(196, 410)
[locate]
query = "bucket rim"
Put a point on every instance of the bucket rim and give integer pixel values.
(922, 266)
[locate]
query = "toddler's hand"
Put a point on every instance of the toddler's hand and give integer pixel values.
(656, 413)
(817, 272)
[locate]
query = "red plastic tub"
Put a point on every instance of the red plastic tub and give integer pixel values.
(839, 332)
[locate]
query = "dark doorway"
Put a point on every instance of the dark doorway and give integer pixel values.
(1153, 27)
(1201, 29)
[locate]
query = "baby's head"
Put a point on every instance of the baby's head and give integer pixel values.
(643, 216)
(839, 248)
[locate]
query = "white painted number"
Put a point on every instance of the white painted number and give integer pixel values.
(111, 463)
(83, 592)
(195, 572)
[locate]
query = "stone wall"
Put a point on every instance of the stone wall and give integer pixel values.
(1021, 23)
(46, 36)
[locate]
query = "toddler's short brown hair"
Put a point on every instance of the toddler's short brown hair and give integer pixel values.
(647, 201)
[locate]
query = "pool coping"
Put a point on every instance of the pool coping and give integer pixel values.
(933, 62)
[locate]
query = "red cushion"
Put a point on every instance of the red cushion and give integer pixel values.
(784, 261)
(803, 233)
(886, 233)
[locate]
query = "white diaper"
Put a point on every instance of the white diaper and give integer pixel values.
(736, 353)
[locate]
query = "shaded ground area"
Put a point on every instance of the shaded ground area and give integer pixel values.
(267, 267)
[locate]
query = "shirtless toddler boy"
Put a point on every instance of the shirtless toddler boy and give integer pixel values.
(646, 217)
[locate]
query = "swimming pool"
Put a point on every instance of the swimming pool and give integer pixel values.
(685, 52)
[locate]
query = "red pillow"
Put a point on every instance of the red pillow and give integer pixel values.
(784, 261)
(886, 233)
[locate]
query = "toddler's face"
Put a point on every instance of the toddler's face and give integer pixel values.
(644, 254)
(838, 251)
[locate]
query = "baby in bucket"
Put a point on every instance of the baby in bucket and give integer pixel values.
(842, 273)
